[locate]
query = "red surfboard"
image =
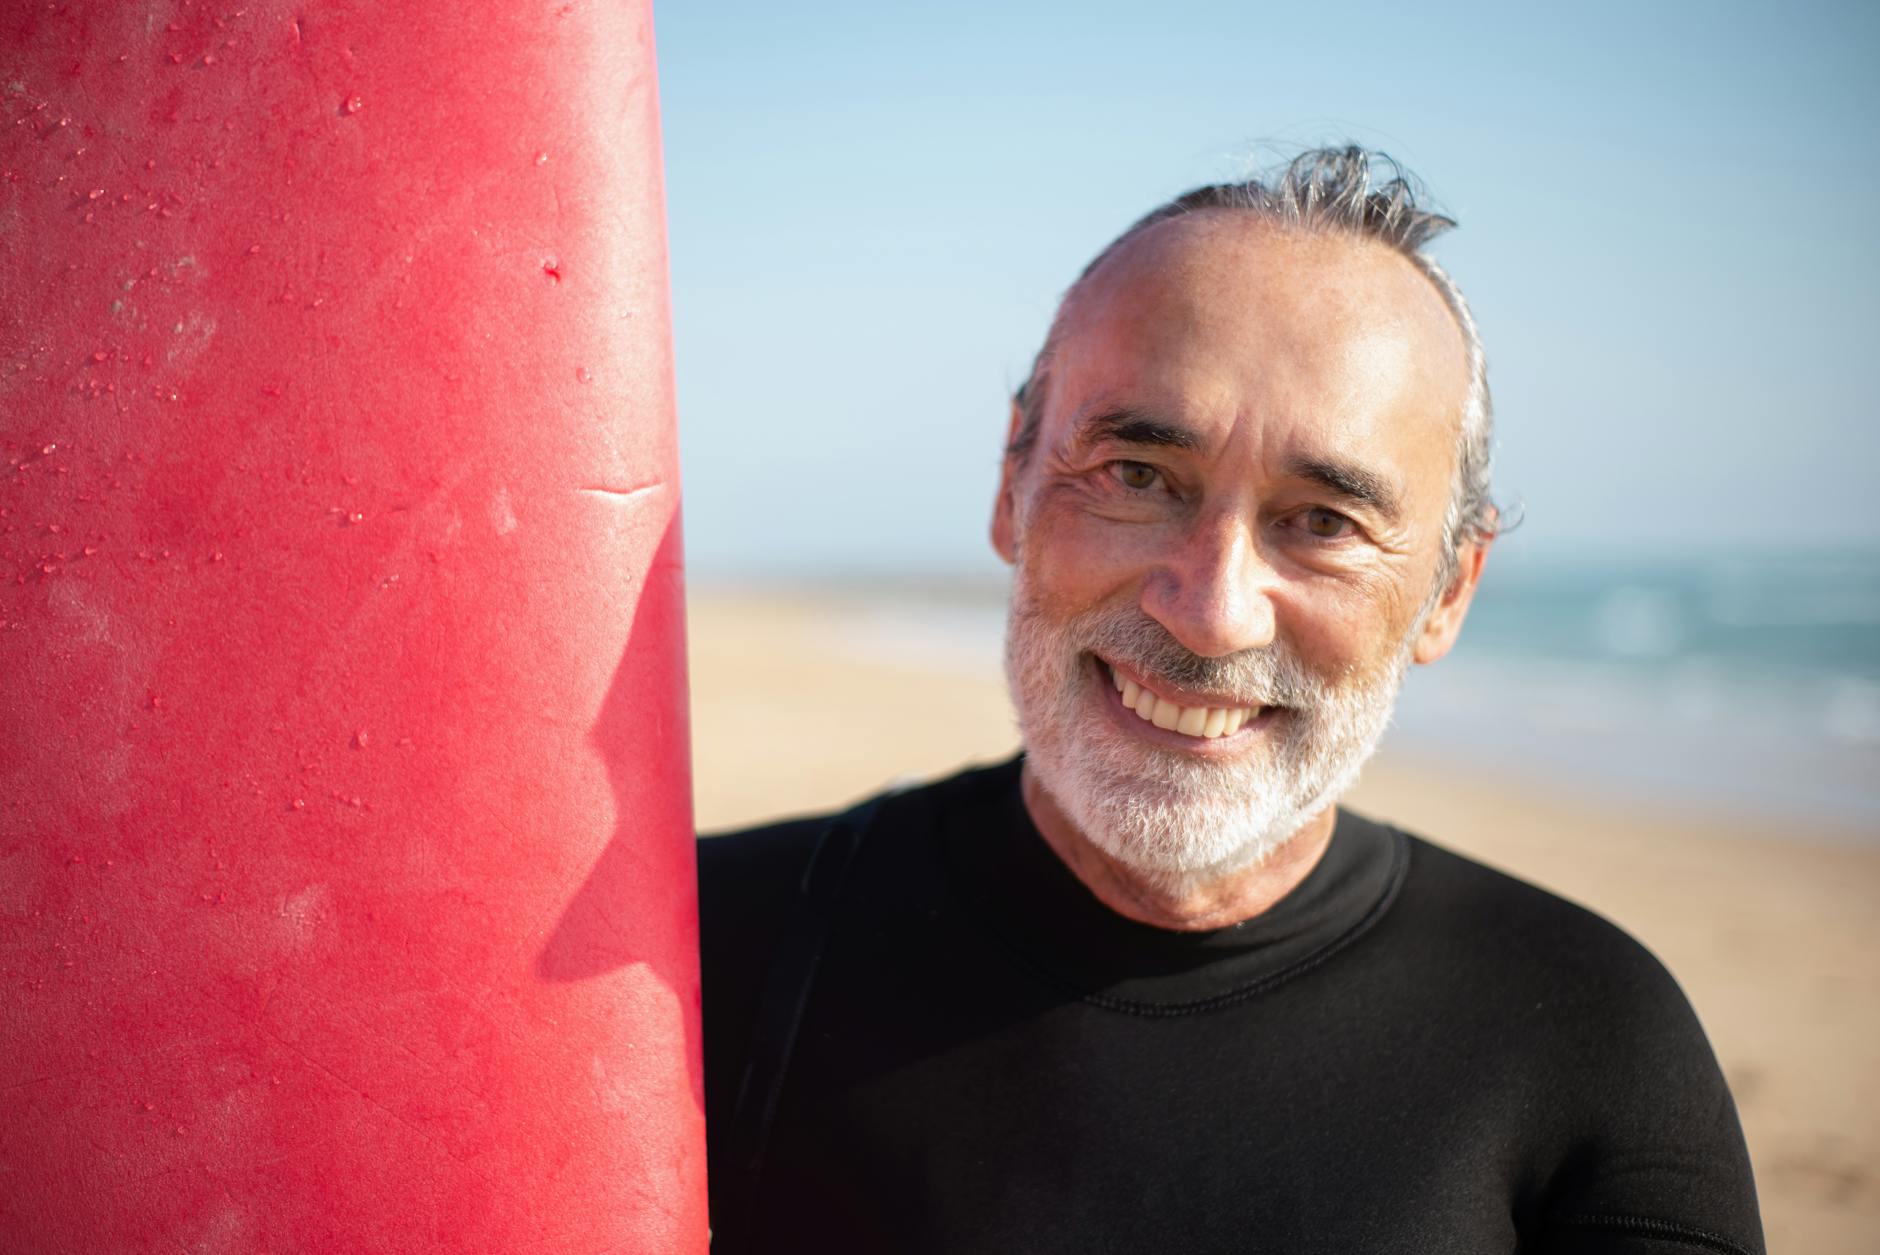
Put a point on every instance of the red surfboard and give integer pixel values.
(346, 888)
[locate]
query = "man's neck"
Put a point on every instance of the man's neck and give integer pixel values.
(1191, 906)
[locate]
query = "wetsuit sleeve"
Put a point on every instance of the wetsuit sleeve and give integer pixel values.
(1661, 1167)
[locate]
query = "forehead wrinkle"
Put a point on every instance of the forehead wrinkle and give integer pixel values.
(1369, 290)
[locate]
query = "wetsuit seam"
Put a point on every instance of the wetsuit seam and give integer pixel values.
(1650, 1228)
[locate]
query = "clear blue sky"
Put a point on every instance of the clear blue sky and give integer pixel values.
(1668, 233)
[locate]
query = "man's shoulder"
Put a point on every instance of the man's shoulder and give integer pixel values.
(783, 847)
(753, 873)
(751, 887)
(1472, 894)
(1523, 941)
(1604, 1032)
(778, 850)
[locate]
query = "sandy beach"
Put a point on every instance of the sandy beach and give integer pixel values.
(802, 703)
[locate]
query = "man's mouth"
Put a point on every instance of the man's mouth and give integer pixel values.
(1205, 722)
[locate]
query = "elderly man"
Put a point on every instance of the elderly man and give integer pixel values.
(1146, 988)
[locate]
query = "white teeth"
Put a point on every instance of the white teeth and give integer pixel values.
(1206, 722)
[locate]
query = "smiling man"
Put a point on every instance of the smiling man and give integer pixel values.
(1147, 988)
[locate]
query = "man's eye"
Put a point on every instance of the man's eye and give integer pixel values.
(1326, 524)
(1138, 476)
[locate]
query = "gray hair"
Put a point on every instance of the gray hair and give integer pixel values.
(1356, 192)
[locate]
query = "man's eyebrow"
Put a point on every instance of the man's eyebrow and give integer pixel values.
(1130, 427)
(1350, 481)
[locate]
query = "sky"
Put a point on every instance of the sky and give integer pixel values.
(1667, 234)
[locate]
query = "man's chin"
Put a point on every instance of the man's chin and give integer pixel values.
(1171, 845)
(1171, 820)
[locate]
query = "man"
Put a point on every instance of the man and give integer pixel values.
(1146, 988)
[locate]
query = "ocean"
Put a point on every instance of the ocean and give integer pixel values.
(1739, 684)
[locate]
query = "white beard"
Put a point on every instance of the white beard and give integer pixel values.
(1179, 820)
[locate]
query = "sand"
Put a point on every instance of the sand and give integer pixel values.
(803, 701)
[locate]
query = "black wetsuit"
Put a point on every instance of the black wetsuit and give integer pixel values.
(1410, 1052)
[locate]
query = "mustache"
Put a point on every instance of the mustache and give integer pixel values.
(1268, 676)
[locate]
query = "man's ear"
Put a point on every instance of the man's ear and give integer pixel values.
(1004, 507)
(1444, 624)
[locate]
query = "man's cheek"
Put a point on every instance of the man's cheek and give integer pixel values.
(1340, 631)
(1090, 556)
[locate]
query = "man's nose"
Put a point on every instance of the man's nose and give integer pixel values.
(1213, 594)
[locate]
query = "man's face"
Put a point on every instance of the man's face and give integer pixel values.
(1227, 535)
